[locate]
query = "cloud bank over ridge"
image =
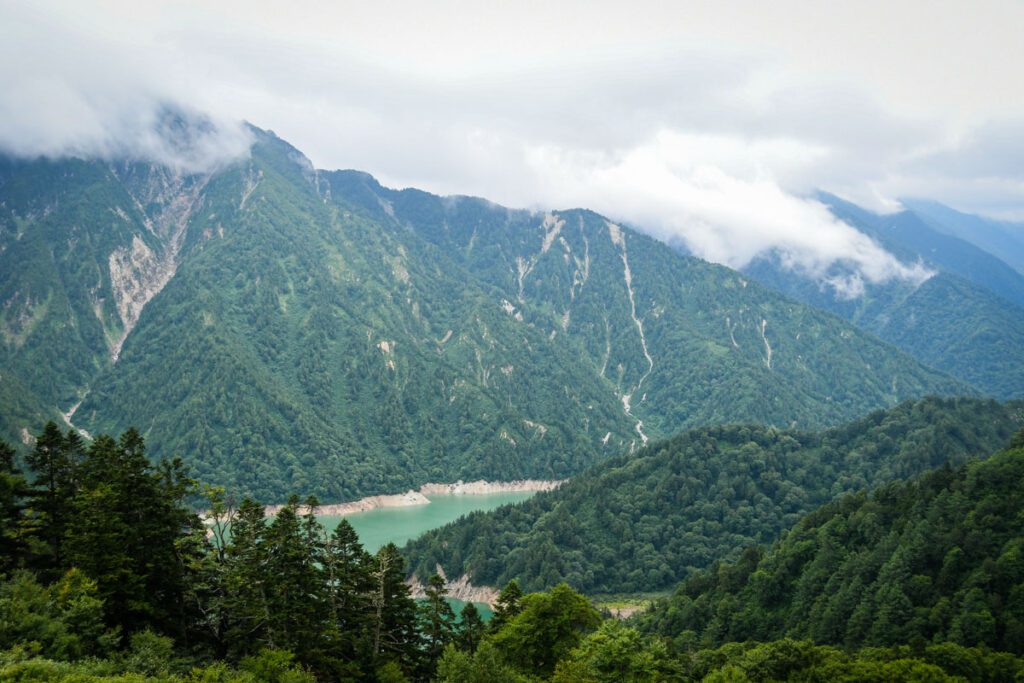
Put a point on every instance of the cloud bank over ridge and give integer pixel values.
(707, 128)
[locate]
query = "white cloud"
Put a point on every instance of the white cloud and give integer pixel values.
(676, 187)
(707, 124)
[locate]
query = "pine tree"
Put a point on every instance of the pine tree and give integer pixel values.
(438, 620)
(13, 490)
(507, 606)
(471, 628)
(393, 624)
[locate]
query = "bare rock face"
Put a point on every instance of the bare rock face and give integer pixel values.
(459, 589)
(138, 271)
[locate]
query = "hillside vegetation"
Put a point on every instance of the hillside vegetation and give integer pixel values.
(642, 523)
(936, 559)
(285, 329)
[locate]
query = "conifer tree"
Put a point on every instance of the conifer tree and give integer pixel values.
(471, 628)
(13, 490)
(53, 486)
(507, 606)
(125, 533)
(437, 618)
(393, 625)
(347, 570)
(298, 607)
(246, 607)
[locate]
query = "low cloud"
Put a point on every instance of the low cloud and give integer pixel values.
(68, 92)
(676, 188)
(709, 144)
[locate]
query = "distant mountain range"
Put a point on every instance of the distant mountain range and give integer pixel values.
(288, 329)
(967, 319)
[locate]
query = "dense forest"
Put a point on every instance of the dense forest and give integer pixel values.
(642, 523)
(108, 577)
(287, 329)
(966, 319)
(935, 559)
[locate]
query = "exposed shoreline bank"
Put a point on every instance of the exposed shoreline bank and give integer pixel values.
(413, 497)
(459, 589)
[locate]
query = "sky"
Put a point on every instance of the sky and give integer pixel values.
(707, 124)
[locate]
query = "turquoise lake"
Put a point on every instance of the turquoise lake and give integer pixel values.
(401, 524)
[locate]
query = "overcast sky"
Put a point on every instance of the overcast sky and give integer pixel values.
(706, 122)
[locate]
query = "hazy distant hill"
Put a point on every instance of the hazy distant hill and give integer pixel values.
(965, 320)
(1004, 239)
(285, 329)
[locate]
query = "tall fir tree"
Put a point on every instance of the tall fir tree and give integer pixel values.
(393, 621)
(508, 605)
(437, 621)
(53, 462)
(13, 491)
(471, 628)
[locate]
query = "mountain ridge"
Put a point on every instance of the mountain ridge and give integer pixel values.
(322, 333)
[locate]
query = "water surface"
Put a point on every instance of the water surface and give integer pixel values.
(399, 525)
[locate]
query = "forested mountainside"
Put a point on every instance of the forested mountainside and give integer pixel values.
(286, 330)
(106, 576)
(683, 342)
(966, 319)
(939, 558)
(643, 523)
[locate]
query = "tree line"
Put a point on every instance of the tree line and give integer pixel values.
(108, 576)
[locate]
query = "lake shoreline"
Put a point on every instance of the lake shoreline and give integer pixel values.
(413, 497)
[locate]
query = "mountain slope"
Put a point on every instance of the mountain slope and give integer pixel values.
(684, 342)
(326, 354)
(286, 329)
(935, 559)
(1002, 238)
(643, 523)
(952, 321)
(911, 236)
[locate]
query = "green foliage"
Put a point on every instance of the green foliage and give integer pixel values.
(548, 627)
(325, 335)
(60, 621)
(616, 653)
(437, 619)
(937, 559)
(486, 665)
(126, 520)
(508, 605)
(13, 492)
(53, 461)
(793, 660)
(643, 522)
(471, 628)
(393, 619)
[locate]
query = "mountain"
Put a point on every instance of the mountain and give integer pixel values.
(963, 319)
(643, 523)
(1004, 239)
(936, 559)
(286, 329)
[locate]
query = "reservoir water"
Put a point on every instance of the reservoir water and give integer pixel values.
(401, 524)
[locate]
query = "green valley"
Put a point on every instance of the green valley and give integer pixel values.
(643, 523)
